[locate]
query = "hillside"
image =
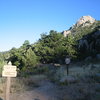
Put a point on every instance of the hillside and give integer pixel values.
(87, 32)
(83, 22)
(80, 42)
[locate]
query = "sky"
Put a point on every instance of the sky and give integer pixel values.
(22, 20)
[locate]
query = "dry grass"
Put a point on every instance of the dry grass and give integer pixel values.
(82, 90)
(22, 84)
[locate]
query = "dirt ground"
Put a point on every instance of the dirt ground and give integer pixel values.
(44, 92)
(85, 89)
(50, 91)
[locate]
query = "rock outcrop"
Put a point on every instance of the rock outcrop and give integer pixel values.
(65, 33)
(87, 33)
(82, 22)
(89, 45)
(85, 21)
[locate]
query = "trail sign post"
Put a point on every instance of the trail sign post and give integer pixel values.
(9, 71)
(67, 61)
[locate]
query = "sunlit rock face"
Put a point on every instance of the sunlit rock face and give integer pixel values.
(65, 33)
(84, 21)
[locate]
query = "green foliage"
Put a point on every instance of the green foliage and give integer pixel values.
(51, 48)
(26, 43)
(30, 58)
(3, 55)
(1, 66)
(87, 40)
(80, 32)
(24, 57)
(54, 47)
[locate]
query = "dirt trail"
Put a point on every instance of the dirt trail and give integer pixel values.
(29, 95)
(51, 91)
(46, 91)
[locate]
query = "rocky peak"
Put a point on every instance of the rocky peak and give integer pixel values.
(85, 21)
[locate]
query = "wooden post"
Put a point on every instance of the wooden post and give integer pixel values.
(67, 69)
(8, 71)
(8, 88)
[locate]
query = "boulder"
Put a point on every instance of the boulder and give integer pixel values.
(68, 79)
